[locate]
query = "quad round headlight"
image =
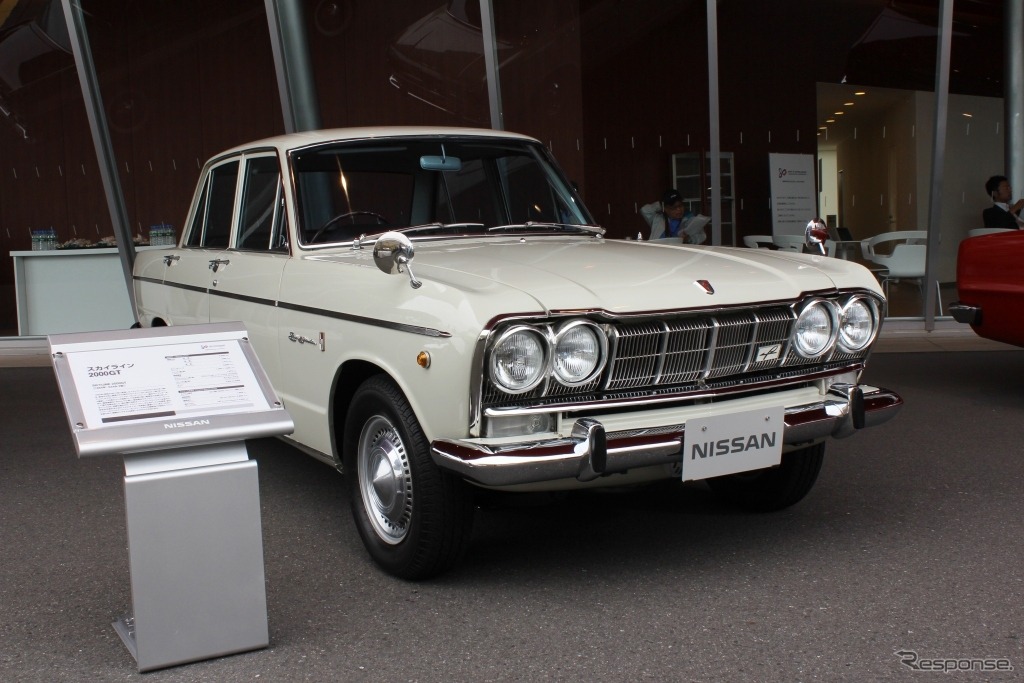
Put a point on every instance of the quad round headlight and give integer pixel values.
(579, 352)
(858, 323)
(815, 329)
(519, 360)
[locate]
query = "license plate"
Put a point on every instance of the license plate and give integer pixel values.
(736, 442)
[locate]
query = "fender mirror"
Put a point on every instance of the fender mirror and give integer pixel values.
(393, 253)
(815, 235)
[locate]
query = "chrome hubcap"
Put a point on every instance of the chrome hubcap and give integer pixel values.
(384, 479)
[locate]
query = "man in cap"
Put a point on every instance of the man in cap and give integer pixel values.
(668, 218)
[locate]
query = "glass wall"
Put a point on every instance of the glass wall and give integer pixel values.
(618, 91)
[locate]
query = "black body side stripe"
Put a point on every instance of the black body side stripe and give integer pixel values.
(299, 308)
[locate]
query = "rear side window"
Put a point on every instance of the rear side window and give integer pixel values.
(211, 226)
(259, 228)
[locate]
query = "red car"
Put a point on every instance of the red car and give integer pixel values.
(990, 286)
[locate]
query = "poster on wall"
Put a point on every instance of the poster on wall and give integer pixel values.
(793, 192)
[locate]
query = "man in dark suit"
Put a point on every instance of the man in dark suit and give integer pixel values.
(1002, 214)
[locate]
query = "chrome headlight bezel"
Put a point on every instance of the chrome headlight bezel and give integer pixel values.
(800, 341)
(861, 302)
(542, 371)
(600, 342)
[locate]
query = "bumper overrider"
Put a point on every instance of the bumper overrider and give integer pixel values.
(590, 452)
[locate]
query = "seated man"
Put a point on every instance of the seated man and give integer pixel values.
(1002, 214)
(667, 218)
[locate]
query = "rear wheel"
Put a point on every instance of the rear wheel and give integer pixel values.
(776, 488)
(414, 518)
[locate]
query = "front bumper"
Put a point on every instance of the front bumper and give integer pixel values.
(590, 451)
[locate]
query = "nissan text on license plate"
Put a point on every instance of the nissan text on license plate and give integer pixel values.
(736, 442)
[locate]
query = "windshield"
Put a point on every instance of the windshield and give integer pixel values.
(433, 185)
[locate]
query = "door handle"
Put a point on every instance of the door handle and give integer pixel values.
(216, 263)
(170, 258)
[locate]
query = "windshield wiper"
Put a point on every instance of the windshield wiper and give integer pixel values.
(426, 227)
(439, 227)
(533, 225)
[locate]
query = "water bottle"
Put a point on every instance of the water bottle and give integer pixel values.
(51, 239)
(161, 235)
(37, 240)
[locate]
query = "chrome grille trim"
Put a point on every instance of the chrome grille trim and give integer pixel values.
(686, 354)
(685, 357)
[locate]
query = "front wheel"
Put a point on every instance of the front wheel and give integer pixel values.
(776, 488)
(414, 518)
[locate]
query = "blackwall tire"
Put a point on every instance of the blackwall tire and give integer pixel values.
(414, 518)
(776, 488)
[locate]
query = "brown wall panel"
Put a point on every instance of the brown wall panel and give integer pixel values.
(614, 88)
(645, 98)
(180, 81)
(88, 216)
(351, 50)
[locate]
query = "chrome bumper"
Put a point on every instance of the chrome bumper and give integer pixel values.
(590, 452)
(962, 313)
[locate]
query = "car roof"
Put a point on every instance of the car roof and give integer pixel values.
(292, 141)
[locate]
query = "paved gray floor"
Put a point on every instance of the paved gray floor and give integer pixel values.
(912, 540)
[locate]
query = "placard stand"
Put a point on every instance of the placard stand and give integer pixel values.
(178, 409)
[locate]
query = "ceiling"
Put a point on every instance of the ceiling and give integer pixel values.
(865, 108)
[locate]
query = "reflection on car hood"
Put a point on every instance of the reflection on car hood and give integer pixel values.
(620, 276)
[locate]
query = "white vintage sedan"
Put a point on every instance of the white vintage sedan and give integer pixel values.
(439, 314)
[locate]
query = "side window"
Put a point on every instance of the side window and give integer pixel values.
(212, 223)
(195, 232)
(259, 228)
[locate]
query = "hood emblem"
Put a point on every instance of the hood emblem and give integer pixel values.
(705, 285)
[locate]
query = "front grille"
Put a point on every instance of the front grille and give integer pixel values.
(686, 352)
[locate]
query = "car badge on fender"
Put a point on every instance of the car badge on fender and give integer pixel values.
(705, 285)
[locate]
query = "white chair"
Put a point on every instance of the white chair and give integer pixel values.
(757, 241)
(869, 247)
(987, 231)
(865, 252)
(906, 262)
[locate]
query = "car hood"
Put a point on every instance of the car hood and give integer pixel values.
(622, 276)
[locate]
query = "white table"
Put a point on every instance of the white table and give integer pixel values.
(844, 247)
(71, 290)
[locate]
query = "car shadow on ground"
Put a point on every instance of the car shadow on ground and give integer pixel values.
(549, 535)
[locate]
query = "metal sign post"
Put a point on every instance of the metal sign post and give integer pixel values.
(178, 403)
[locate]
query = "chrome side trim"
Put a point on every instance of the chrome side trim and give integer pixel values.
(361, 320)
(375, 322)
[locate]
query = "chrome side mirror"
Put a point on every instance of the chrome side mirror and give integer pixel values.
(815, 235)
(393, 253)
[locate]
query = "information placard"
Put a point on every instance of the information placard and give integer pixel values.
(793, 193)
(166, 387)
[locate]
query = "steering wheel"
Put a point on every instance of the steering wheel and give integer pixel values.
(332, 223)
